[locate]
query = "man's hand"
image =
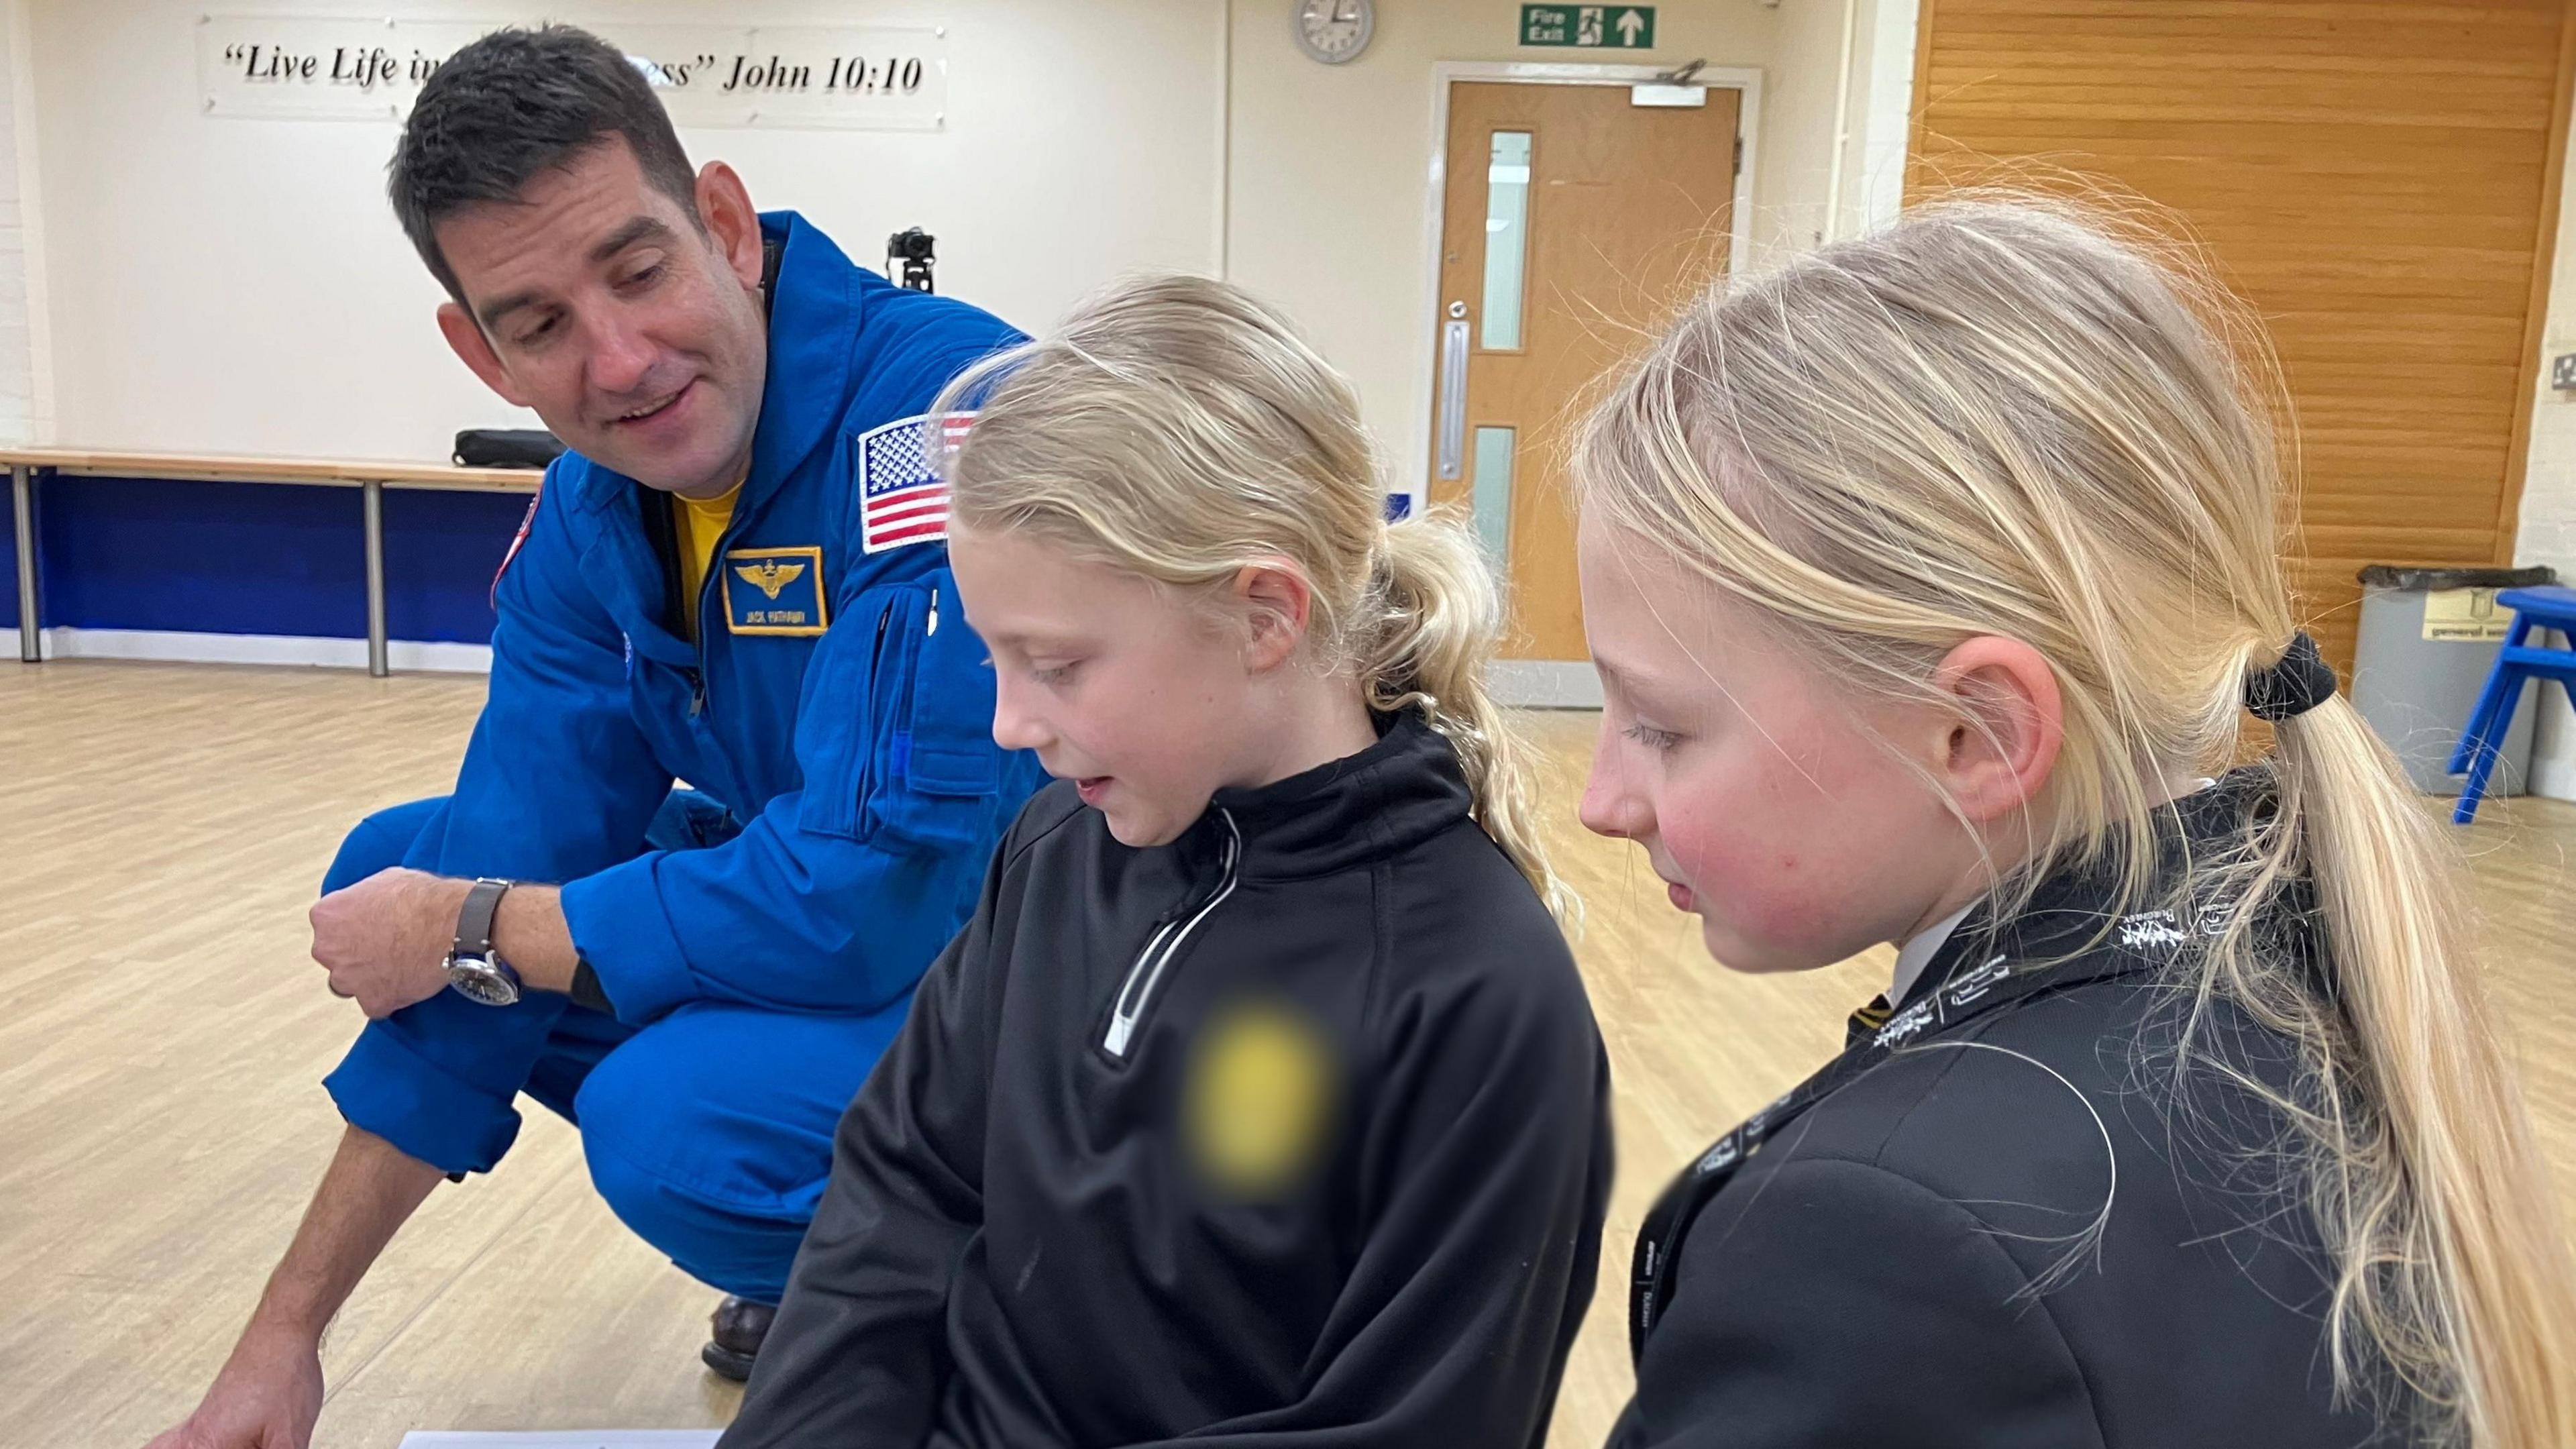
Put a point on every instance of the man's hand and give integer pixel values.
(385, 939)
(270, 1390)
(267, 1397)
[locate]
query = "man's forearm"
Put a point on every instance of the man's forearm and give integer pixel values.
(385, 939)
(371, 1189)
(531, 934)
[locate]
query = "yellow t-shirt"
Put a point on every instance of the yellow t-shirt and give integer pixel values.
(701, 523)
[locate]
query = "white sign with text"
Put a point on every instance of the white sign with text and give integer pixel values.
(798, 77)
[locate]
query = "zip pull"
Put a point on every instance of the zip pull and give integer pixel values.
(1137, 992)
(934, 613)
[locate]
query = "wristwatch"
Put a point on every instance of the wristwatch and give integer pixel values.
(474, 969)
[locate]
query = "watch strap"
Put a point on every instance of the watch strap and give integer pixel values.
(474, 921)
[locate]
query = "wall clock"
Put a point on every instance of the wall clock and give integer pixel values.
(1334, 31)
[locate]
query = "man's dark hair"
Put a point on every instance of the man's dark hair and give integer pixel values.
(509, 106)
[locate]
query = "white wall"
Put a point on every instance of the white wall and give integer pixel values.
(1791, 192)
(224, 284)
(18, 402)
(2548, 531)
(1881, 115)
(1836, 120)
(237, 285)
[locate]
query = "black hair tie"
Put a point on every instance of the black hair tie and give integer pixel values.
(2298, 683)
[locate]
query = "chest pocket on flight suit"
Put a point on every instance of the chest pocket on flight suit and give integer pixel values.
(912, 694)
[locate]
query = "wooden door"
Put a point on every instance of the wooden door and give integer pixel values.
(2378, 177)
(1574, 221)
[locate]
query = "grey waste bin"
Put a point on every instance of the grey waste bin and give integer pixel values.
(2428, 638)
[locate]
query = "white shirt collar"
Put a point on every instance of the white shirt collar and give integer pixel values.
(1918, 950)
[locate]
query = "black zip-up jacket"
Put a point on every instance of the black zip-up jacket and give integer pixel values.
(2020, 1226)
(1291, 1132)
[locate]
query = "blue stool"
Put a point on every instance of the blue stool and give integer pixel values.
(2549, 606)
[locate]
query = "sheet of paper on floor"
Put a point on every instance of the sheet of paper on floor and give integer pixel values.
(563, 1440)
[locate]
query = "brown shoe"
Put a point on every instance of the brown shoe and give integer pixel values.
(740, 1326)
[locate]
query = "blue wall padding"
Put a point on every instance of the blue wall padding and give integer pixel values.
(440, 553)
(8, 575)
(252, 558)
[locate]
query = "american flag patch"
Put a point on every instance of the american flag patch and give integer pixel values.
(903, 498)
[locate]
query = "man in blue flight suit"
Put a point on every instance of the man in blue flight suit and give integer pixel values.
(736, 578)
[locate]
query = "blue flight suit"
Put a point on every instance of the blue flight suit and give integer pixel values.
(759, 937)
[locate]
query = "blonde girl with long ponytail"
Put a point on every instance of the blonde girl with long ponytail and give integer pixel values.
(1938, 582)
(1260, 1102)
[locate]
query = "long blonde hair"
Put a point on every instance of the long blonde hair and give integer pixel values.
(1176, 428)
(2017, 417)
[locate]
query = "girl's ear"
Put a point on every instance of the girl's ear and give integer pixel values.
(1277, 604)
(2003, 725)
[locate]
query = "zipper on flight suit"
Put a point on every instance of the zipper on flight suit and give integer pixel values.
(707, 581)
(662, 532)
(1146, 976)
(698, 606)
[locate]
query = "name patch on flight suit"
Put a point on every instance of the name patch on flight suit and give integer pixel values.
(774, 591)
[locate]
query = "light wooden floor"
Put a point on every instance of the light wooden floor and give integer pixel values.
(162, 1034)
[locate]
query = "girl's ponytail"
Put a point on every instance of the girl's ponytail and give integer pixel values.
(1438, 620)
(2428, 1184)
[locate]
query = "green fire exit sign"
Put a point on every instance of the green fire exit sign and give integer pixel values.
(1589, 27)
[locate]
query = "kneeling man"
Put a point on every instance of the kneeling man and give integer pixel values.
(737, 578)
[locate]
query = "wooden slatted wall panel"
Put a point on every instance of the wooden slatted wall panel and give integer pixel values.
(2378, 179)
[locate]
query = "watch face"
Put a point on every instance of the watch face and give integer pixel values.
(477, 979)
(1334, 31)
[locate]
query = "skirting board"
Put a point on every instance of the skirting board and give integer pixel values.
(405, 655)
(1547, 683)
(563, 1439)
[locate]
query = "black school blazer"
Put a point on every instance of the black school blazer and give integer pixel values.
(2017, 1230)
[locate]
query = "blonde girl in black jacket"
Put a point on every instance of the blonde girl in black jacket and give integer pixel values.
(1938, 581)
(1260, 1102)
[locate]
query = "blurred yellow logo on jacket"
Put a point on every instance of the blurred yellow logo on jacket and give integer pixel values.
(1259, 1096)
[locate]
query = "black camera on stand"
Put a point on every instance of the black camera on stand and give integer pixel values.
(912, 247)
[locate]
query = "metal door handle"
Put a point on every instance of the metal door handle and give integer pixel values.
(1453, 391)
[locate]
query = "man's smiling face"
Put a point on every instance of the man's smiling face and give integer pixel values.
(633, 330)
